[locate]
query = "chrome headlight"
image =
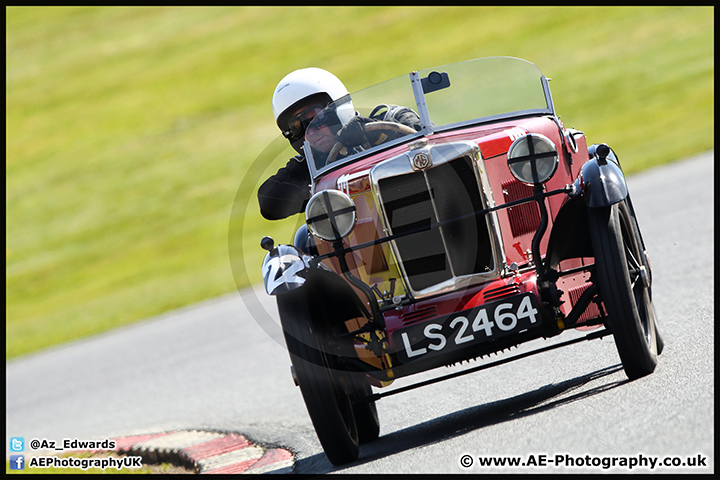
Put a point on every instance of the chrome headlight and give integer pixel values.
(532, 159)
(330, 215)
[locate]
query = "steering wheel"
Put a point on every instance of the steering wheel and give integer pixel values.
(369, 128)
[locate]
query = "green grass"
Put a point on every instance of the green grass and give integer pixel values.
(131, 130)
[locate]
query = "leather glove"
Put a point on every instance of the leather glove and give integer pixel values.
(353, 134)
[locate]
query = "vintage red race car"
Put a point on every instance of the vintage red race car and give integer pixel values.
(491, 226)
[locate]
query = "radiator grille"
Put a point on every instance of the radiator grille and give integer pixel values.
(524, 218)
(419, 200)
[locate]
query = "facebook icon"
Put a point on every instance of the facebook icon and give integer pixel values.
(17, 462)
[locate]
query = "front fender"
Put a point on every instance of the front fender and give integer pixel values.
(601, 181)
(283, 269)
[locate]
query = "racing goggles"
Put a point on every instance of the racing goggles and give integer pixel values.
(298, 123)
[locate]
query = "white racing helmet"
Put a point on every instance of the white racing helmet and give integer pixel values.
(305, 87)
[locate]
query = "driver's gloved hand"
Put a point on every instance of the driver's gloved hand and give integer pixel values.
(353, 134)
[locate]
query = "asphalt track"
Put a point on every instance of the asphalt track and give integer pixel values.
(220, 367)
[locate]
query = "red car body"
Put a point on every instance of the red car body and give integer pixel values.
(485, 229)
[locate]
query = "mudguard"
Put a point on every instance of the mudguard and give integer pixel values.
(282, 269)
(601, 180)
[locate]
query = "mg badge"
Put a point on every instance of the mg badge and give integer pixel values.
(421, 161)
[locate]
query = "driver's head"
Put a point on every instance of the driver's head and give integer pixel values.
(301, 95)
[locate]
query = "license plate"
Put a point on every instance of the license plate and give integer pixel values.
(462, 329)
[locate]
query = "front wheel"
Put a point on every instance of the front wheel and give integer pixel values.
(623, 281)
(366, 415)
(324, 389)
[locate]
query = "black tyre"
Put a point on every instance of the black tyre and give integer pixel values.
(324, 389)
(646, 262)
(624, 284)
(366, 415)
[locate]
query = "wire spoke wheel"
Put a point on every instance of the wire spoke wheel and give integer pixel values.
(623, 278)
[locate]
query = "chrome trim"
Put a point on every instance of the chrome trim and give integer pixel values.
(570, 141)
(330, 214)
(421, 161)
(441, 154)
(419, 94)
(548, 95)
(528, 138)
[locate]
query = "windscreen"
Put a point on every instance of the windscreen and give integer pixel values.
(421, 103)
